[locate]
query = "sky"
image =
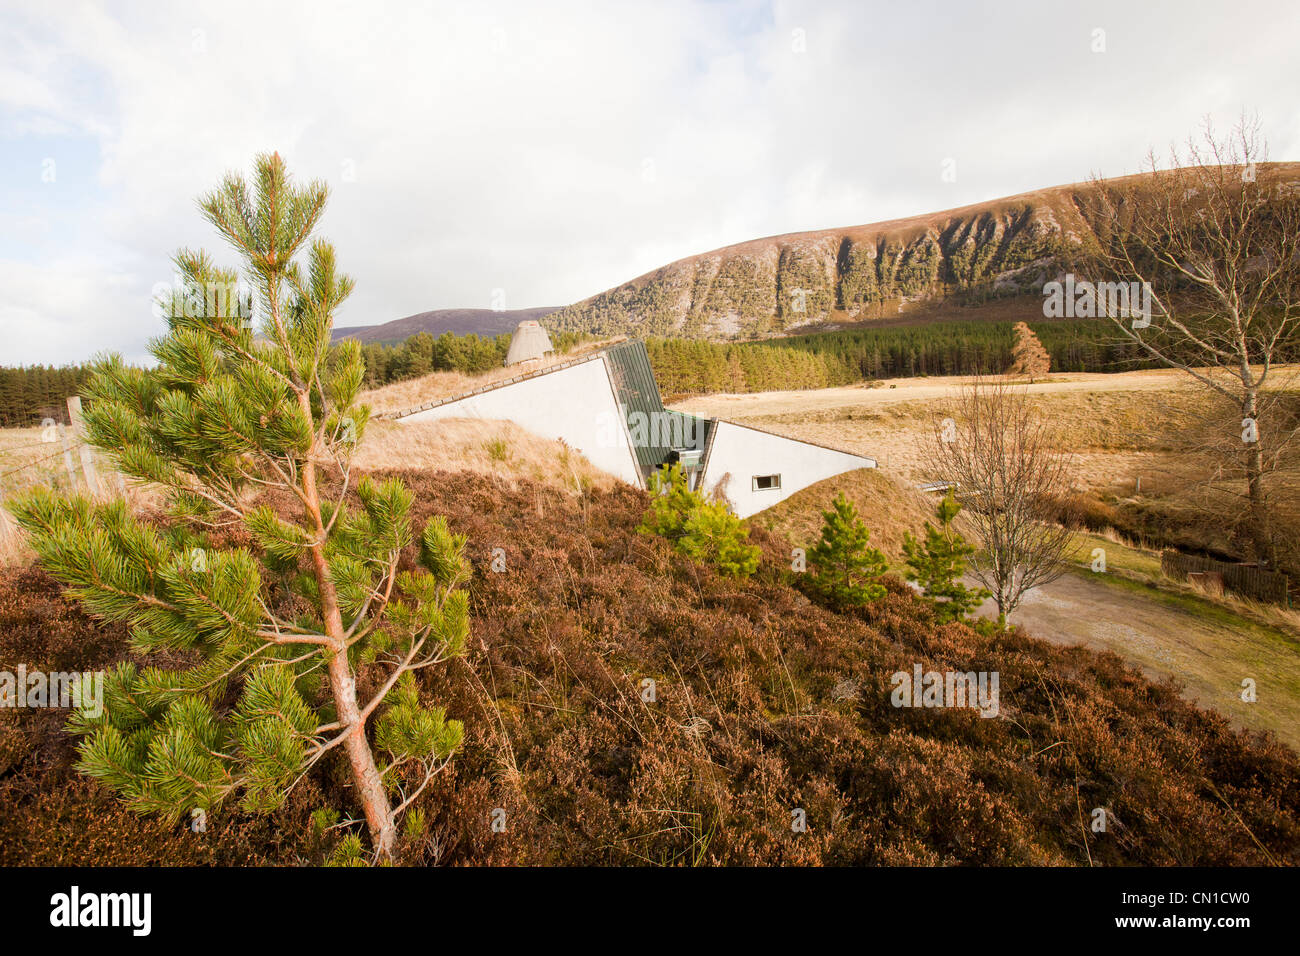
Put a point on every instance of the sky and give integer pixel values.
(527, 154)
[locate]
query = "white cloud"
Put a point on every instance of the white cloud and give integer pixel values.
(557, 150)
(52, 311)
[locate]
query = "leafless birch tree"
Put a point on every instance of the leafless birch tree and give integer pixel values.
(1000, 455)
(1214, 240)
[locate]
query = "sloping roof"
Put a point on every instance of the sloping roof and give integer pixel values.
(638, 395)
(802, 441)
(530, 341)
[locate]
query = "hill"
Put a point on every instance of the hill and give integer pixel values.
(987, 260)
(486, 322)
(888, 508)
(764, 704)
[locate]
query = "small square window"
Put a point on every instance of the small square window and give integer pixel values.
(764, 482)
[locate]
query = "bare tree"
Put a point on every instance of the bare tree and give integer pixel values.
(1212, 246)
(1000, 455)
(1202, 474)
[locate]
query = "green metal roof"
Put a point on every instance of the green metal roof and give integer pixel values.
(655, 430)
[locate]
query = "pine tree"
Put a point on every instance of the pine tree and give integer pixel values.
(938, 564)
(271, 637)
(1029, 358)
(846, 569)
(707, 531)
(714, 535)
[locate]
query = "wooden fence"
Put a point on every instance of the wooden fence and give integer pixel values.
(1244, 580)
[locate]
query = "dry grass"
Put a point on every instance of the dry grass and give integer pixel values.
(1270, 615)
(1117, 427)
(14, 552)
(1138, 562)
(502, 449)
(400, 396)
(31, 457)
(1138, 437)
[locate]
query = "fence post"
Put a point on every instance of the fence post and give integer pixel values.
(67, 457)
(87, 456)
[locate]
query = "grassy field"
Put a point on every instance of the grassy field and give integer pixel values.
(31, 455)
(1209, 645)
(1119, 427)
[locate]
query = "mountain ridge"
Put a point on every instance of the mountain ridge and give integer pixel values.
(997, 251)
(980, 261)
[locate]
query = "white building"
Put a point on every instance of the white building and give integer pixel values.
(607, 405)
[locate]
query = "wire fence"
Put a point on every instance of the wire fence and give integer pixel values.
(35, 444)
(79, 472)
(31, 464)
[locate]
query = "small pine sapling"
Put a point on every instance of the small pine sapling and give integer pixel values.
(938, 563)
(252, 651)
(846, 569)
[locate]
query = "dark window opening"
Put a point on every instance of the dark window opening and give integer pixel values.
(764, 482)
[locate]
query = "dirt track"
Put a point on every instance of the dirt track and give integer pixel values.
(1209, 658)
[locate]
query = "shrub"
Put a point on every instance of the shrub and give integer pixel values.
(764, 702)
(707, 531)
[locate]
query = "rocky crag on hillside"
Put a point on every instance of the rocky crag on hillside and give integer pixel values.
(782, 284)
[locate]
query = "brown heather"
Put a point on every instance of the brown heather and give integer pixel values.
(751, 721)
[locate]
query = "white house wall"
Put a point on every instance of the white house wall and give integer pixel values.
(575, 404)
(739, 453)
